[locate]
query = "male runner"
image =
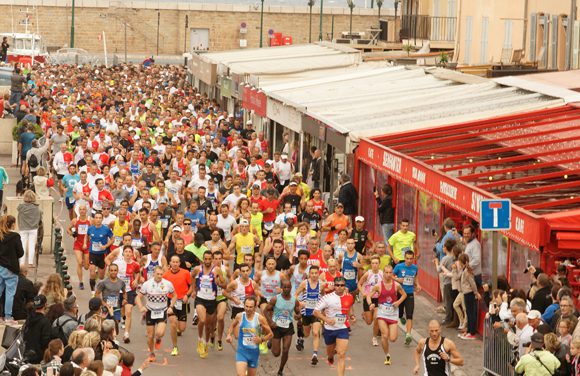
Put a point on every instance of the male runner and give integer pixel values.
(108, 291)
(334, 310)
(78, 229)
(156, 293)
(436, 353)
(207, 278)
(240, 289)
(387, 305)
(269, 281)
(407, 275)
(309, 293)
(181, 281)
(221, 300)
(279, 312)
(128, 273)
(101, 238)
(252, 329)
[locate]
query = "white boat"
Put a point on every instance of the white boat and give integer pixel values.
(25, 47)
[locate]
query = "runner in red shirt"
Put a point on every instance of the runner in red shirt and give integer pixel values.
(78, 230)
(330, 275)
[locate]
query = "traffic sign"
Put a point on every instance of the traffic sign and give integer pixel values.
(495, 214)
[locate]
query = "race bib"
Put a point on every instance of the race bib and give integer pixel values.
(179, 305)
(248, 341)
(83, 229)
(96, 247)
(310, 303)
(246, 249)
(206, 291)
(283, 322)
(136, 243)
(349, 274)
(386, 309)
(118, 240)
(157, 314)
(269, 226)
(112, 301)
(164, 222)
(118, 202)
(408, 280)
(313, 225)
(340, 319)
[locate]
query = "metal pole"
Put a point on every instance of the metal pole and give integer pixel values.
(350, 26)
(570, 30)
(185, 34)
(158, 24)
(494, 256)
(72, 26)
(125, 42)
(310, 4)
(261, 23)
(320, 33)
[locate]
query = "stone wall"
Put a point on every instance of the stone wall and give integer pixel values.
(223, 22)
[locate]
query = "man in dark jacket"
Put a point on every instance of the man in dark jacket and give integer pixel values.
(36, 331)
(25, 293)
(543, 296)
(10, 250)
(386, 210)
(347, 195)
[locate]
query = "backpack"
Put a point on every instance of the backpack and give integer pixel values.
(33, 161)
(57, 329)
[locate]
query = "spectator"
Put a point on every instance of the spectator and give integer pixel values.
(548, 314)
(386, 211)
(473, 250)
(574, 364)
(534, 319)
(17, 85)
(470, 295)
(52, 356)
(348, 196)
(74, 342)
(41, 182)
(542, 298)
(522, 336)
(564, 334)
(566, 312)
(110, 363)
(445, 267)
(29, 217)
(97, 367)
(10, 251)
(559, 350)
(538, 362)
(36, 331)
(68, 322)
(95, 305)
(67, 369)
(54, 290)
(35, 158)
(25, 144)
(25, 293)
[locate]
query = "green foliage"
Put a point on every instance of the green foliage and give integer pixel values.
(408, 48)
(443, 58)
(17, 130)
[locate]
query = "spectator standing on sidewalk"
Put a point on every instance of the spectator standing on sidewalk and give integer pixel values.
(29, 216)
(538, 362)
(348, 196)
(3, 181)
(444, 267)
(10, 250)
(470, 296)
(385, 210)
(473, 250)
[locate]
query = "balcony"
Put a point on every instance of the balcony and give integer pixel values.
(439, 31)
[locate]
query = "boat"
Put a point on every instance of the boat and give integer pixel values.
(25, 48)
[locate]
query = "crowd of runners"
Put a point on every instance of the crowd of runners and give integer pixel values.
(183, 210)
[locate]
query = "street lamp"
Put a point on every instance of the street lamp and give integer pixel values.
(72, 25)
(397, 2)
(320, 32)
(310, 4)
(261, 22)
(351, 6)
(379, 5)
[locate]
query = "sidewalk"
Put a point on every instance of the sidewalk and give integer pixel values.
(472, 351)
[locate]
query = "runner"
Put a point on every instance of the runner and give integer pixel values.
(101, 238)
(350, 262)
(386, 305)
(334, 311)
(128, 271)
(401, 242)
(207, 278)
(222, 301)
(244, 242)
(279, 312)
(67, 185)
(252, 329)
(436, 353)
(407, 275)
(181, 281)
(157, 307)
(240, 289)
(108, 291)
(330, 275)
(367, 282)
(270, 286)
(78, 229)
(309, 293)
(152, 260)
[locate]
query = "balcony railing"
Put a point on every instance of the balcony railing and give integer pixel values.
(436, 29)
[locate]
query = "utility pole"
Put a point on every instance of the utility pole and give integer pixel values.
(310, 5)
(185, 34)
(125, 41)
(261, 23)
(158, 24)
(351, 6)
(72, 26)
(321, 8)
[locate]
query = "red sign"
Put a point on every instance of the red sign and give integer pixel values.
(255, 100)
(526, 227)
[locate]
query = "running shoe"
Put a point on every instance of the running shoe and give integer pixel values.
(403, 320)
(408, 339)
(200, 347)
(174, 352)
(300, 344)
(467, 336)
(330, 360)
(126, 338)
(375, 342)
(205, 351)
(388, 360)
(195, 320)
(263, 348)
(314, 360)
(81, 286)
(157, 343)
(211, 342)
(220, 346)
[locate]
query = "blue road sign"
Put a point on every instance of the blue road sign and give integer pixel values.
(495, 214)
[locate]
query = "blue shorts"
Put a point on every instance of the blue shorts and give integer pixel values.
(330, 336)
(351, 285)
(251, 359)
(69, 204)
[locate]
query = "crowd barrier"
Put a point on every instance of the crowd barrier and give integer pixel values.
(498, 354)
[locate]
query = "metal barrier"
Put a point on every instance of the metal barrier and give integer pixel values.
(497, 351)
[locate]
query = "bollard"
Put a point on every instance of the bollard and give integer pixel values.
(66, 279)
(69, 287)
(63, 270)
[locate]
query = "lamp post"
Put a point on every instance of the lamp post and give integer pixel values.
(351, 6)
(261, 23)
(379, 5)
(310, 5)
(320, 32)
(396, 4)
(72, 26)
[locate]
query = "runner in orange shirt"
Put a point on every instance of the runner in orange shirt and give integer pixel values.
(181, 280)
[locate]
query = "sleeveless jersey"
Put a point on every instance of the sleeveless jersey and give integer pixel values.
(269, 284)
(242, 292)
(330, 280)
(248, 330)
(81, 228)
(244, 245)
(348, 270)
(150, 264)
(297, 277)
(283, 311)
(432, 362)
(206, 285)
(118, 232)
(372, 280)
(386, 309)
(311, 298)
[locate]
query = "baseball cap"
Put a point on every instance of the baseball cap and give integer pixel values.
(177, 228)
(244, 222)
(256, 186)
(269, 180)
(284, 156)
(534, 314)
(339, 204)
(94, 304)
(537, 340)
(39, 301)
(249, 122)
(359, 218)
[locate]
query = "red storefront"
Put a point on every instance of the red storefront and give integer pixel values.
(531, 158)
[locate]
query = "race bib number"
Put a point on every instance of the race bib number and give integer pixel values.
(179, 305)
(386, 309)
(246, 249)
(157, 314)
(313, 225)
(136, 243)
(83, 229)
(118, 240)
(283, 322)
(340, 319)
(206, 291)
(310, 303)
(112, 301)
(164, 222)
(248, 341)
(349, 274)
(408, 280)
(269, 226)
(96, 247)
(118, 202)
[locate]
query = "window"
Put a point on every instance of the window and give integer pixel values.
(468, 39)
(507, 36)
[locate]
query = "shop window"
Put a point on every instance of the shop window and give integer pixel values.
(518, 257)
(406, 205)
(368, 207)
(382, 179)
(486, 255)
(428, 226)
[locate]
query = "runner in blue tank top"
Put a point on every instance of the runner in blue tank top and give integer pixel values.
(350, 263)
(279, 312)
(253, 330)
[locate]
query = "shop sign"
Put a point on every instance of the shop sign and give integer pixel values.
(254, 100)
(526, 227)
(287, 116)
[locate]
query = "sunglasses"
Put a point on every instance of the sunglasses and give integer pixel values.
(339, 285)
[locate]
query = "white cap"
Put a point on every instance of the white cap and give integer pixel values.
(136, 137)
(284, 156)
(244, 222)
(359, 218)
(249, 122)
(177, 228)
(534, 314)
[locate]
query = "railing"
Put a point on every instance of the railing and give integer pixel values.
(498, 354)
(438, 29)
